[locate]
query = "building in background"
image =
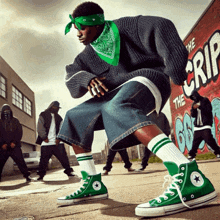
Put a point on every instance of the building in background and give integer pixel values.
(15, 92)
(203, 45)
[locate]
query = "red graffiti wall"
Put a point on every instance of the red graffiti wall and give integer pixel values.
(203, 45)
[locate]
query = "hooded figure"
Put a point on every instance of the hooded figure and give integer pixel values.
(45, 119)
(195, 96)
(48, 126)
(202, 112)
(10, 142)
(11, 129)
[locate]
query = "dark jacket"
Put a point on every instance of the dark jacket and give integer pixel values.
(10, 129)
(205, 109)
(44, 123)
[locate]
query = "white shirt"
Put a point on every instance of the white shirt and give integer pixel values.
(199, 121)
(52, 133)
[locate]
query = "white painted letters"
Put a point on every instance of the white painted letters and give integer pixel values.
(179, 101)
(204, 65)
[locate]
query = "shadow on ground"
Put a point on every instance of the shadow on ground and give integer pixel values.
(13, 187)
(71, 180)
(112, 208)
(137, 172)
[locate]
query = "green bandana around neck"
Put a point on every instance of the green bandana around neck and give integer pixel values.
(90, 20)
(107, 45)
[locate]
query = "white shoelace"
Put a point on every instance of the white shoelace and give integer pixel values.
(81, 187)
(173, 185)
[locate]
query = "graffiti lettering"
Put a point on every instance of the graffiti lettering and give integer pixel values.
(179, 101)
(191, 45)
(184, 129)
(184, 132)
(204, 65)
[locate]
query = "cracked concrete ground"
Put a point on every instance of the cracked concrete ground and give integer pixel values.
(37, 200)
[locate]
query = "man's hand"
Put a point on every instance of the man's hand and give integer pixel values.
(196, 105)
(57, 142)
(12, 145)
(98, 87)
(46, 140)
(4, 146)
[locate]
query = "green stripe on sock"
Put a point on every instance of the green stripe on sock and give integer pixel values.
(84, 158)
(164, 139)
(164, 143)
(160, 144)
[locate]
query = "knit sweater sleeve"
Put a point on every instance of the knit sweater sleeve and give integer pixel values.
(77, 78)
(168, 44)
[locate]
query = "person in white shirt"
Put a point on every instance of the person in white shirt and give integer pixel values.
(48, 126)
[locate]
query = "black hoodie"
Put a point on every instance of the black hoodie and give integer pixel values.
(205, 108)
(10, 129)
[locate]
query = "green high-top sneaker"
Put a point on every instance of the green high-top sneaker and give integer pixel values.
(189, 189)
(92, 188)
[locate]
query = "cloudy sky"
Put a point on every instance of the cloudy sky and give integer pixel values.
(33, 43)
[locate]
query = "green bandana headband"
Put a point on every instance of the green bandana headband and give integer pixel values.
(90, 20)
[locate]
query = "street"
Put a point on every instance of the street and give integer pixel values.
(37, 200)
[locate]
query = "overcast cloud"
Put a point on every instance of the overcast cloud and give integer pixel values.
(32, 38)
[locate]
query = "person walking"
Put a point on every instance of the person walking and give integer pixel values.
(10, 141)
(48, 126)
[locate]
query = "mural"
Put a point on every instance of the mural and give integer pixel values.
(184, 129)
(203, 68)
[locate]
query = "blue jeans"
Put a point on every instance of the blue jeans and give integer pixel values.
(120, 112)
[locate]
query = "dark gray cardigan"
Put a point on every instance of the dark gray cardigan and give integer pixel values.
(150, 47)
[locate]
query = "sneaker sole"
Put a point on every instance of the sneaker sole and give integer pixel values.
(171, 209)
(65, 202)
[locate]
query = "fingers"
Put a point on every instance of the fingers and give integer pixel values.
(97, 87)
(12, 145)
(4, 146)
(101, 84)
(93, 90)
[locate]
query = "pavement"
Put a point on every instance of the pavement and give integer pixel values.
(37, 200)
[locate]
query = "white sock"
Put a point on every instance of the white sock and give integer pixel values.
(166, 150)
(86, 163)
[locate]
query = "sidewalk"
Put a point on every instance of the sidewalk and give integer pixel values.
(37, 200)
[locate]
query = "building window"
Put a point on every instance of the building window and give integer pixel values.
(21, 101)
(27, 106)
(17, 98)
(2, 86)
